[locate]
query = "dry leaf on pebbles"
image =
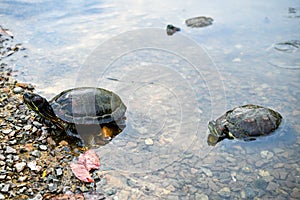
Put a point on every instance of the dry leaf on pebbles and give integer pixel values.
(86, 162)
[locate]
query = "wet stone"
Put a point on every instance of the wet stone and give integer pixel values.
(201, 196)
(149, 141)
(260, 184)
(266, 154)
(264, 173)
(224, 192)
(250, 193)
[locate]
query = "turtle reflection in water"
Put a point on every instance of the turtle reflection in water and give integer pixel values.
(245, 122)
(97, 114)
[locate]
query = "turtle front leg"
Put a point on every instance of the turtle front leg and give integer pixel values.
(74, 136)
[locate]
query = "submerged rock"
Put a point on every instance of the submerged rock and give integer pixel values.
(198, 22)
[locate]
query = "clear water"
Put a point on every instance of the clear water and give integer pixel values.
(173, 85)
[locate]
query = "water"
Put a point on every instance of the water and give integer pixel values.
(173, 85)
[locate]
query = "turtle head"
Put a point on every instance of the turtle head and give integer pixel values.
(213, 128)
(40, 105)
(216, 133)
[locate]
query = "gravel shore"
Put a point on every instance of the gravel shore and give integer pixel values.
(33, 163)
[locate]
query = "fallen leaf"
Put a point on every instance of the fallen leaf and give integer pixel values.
(90, 160)
(81, 172)
(86, 162)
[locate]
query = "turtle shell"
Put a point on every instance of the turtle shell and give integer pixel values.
(246, 122)
(88, 105)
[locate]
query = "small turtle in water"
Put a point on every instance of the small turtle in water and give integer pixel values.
(172, 29)
(244, 122)
(81, 108)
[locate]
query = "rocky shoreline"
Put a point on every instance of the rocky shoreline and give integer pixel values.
(33, 165)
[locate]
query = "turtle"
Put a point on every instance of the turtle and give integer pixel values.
(171, 29)
(82, 107)
(245, 122)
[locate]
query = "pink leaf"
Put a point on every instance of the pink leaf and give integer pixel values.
(86, 162)
(81, 172)
(90, 160)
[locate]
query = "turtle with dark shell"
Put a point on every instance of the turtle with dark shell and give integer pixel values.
(79, 107)
(244, 122)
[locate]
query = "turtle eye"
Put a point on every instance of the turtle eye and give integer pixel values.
(38, 100)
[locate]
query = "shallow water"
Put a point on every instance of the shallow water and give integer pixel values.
(173, 85)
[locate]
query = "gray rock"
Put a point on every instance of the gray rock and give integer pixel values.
(22, 190)
(2, 196)
(6, 131)
(22, 178)
(2, 157)
(149, 141)
(36, 153)
(20, 166)
(43, 147)
(37, 124)
(5, 189)
(201, 196)
(10, 150)
(18, 90)
(224, 192)
(58, 172)
(27, 127)
(52, 187)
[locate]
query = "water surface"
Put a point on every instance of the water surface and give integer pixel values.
(173, 85)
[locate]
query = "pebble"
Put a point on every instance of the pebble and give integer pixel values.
(37, 124)
(20, 166)
(18, 90)
(263, 173)
(206, 171)
(2, 196)
(27, 127)
(43, 147)
(224, 192)
(149, 141)
(201, 196)
(10, 150)
(22, 178)
(58, 172)
(266, 154)
(6, 131)
(5, 189)
(36, 153)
